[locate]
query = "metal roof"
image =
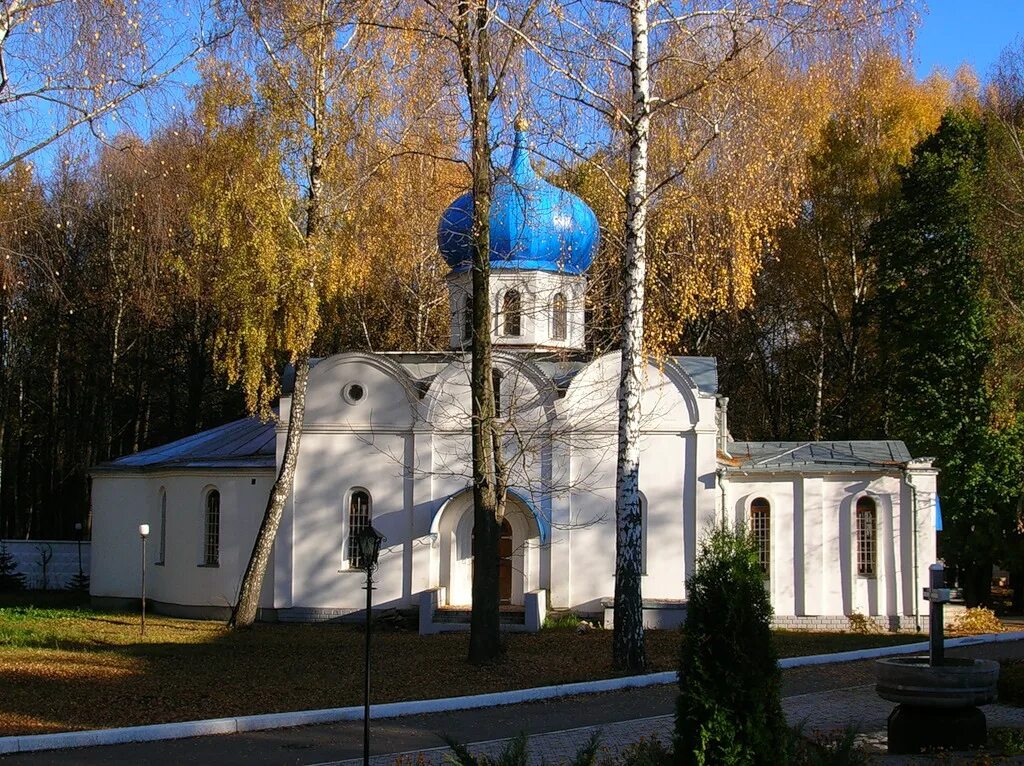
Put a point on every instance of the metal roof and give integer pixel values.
(833, 456)
(703, 371)
(244, 444)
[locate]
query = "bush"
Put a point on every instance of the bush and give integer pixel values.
(646, 752)
(10, 579)
(839, 749)
(1011, 683)
(516, 753)
(729, 709)
(975, 621)
(562, 620)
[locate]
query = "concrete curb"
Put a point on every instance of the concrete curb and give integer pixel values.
(240, 724)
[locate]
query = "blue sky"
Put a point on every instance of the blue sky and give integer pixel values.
(975, 31)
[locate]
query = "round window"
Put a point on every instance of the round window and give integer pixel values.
(354, 392)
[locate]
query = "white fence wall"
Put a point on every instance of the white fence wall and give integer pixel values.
(62, 566)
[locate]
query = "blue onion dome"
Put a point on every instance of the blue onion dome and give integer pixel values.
(534, 225)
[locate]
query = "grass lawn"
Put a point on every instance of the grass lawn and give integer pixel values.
(73, 668)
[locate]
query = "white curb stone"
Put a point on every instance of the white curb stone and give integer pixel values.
(187, 729)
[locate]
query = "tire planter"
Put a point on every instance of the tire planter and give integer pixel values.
(956, 683)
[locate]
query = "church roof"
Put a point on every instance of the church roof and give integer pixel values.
(533, 224)
(826, 457)
(245, 444)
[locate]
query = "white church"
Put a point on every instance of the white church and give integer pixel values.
(843, 528)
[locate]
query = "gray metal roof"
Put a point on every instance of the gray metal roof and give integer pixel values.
(244, 444)
(703, 371)
(753, 457)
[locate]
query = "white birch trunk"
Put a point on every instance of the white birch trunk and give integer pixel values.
(628, 640)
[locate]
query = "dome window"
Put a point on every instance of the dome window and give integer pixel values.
(467, 319)
(559, 317)
(512, 314)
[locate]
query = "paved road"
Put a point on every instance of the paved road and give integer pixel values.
(827, 695)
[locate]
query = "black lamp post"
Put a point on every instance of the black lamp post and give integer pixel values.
(143, 533)
(369, 541)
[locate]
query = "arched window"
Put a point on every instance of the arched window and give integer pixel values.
(496, 378)
(467, 319)
(358, 520)
(559, 317)
(512, 313)
(867, 538)
(163, 526)
(211, 538)
(761, 530)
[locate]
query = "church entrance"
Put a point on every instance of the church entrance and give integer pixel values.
(504, 563)
(452, 551)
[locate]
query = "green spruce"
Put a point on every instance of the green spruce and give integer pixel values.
(729, 710)
(10, 578)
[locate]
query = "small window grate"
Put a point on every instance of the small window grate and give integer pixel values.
(559, 317)
(467, 320)
(512, 314)
(358, 520)
(761, 529)
(163, 526)
(211, 547)
(867, 537)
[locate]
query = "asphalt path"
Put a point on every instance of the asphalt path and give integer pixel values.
(329, 743)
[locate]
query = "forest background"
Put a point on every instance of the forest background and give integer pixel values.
(851, 251)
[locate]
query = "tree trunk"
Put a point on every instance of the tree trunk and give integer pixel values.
(819, 381)
(244, 613)
(628, 637)
(484, 623)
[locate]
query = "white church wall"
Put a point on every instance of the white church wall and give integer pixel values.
(330, 467)
(537, 291)
(358, 391)
(702, 506)
(591, 532)
(123, 501)
(813, 546)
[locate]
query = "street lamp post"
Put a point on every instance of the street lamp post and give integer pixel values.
(369, 541)
(143, 533)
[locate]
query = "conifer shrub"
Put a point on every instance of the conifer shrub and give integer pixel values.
(729, 709)
(10, 578)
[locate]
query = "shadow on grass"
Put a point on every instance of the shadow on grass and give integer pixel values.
(82, 669)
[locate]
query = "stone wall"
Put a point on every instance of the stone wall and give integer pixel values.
(874, 623)
(61, 567)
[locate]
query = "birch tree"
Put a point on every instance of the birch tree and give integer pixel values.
(298, 108)
(69, 64)
(484, 41)
(636, 65)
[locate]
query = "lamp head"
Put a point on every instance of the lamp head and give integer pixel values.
(144, 530)
(369, 541)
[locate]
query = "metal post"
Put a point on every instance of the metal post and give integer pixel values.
(366, 667)
(142, 625)
(936, 581)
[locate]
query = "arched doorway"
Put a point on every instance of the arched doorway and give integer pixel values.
(505, 549)
(519, 550)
